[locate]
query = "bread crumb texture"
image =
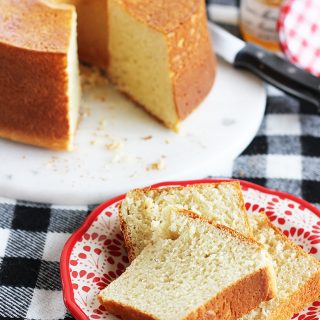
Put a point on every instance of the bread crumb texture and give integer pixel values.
(193, 264)
(143, 210)
(294, 269)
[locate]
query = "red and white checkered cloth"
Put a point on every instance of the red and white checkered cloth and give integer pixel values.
(299, 32)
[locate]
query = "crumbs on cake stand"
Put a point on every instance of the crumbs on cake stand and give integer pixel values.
(158, 165)
(91, 76)
(114, 145)
(84, 112)
(52, 161)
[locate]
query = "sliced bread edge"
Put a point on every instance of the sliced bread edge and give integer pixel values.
(126, 229)
(304, 295)
(244, 295)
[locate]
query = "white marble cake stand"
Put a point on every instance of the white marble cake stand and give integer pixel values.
(119, 146)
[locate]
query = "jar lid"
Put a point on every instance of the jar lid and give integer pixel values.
(299, 33)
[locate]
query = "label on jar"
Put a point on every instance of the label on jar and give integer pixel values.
(259, 19)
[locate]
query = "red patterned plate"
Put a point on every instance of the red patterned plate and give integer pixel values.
(95, 254)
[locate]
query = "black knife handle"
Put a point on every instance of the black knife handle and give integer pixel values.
(280, 73)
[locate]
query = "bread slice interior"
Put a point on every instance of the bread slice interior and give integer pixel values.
(142, 211)
(200, 271)
(297, 273)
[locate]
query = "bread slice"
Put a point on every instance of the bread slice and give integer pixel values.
(200, 271)
(298, 274)
(141, 212)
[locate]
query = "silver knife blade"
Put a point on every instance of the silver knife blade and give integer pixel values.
(225, 44)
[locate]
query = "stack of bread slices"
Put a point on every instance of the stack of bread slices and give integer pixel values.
(196, 254)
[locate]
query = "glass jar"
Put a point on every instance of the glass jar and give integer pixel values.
(258, 22)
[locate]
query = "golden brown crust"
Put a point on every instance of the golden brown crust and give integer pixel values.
(304, 296)
(126, 235)
(193, 63)
(21, 22)
(194, 83)
(164, 16)
(92, 22)
(126, 312)
(235, 301)
(199, 185)
(238, 299)
(34, 99)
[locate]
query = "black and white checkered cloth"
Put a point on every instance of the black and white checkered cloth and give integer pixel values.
(284, 155)
(31, 239)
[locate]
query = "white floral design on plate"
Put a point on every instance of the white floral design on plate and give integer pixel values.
(99, 255)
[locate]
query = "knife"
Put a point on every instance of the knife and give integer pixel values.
(268, 66)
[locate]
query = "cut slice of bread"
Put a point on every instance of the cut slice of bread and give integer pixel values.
(201, 271)
(141, 212)
(298, 274)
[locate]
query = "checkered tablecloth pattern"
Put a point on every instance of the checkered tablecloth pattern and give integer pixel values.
(31, 239)
(285, 155)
